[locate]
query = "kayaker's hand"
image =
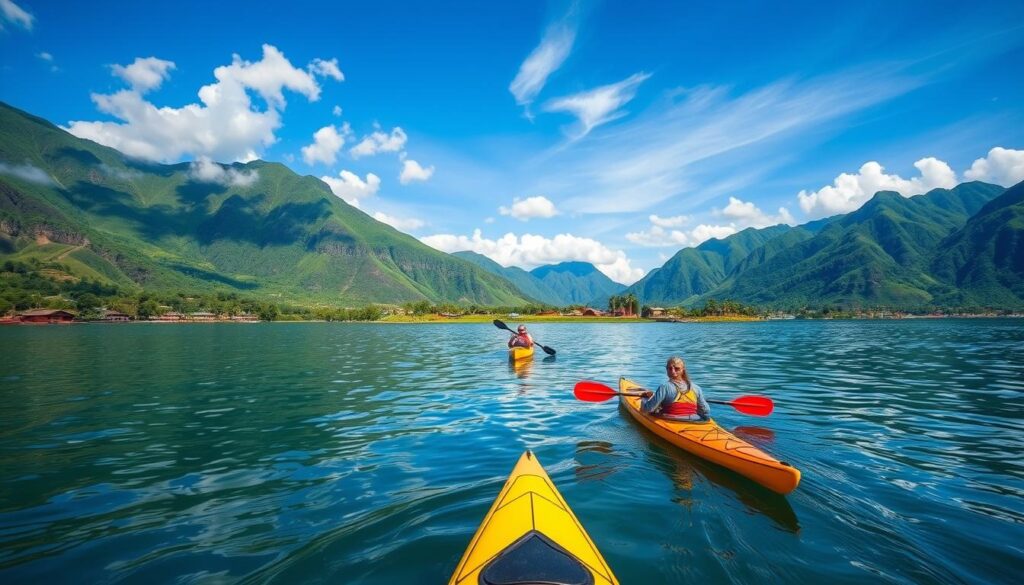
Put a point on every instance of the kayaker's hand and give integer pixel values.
(647, 394)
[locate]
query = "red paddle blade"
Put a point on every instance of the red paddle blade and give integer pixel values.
(593, 391)
(753, 405)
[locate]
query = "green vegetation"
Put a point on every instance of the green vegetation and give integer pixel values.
(152, 227)
(957, 249)
(82, 219)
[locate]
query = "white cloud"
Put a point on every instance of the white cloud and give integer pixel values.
(45, 56)
(378, 142)
(336, 111)
(144, 74)
(746, 214)
(14, 14)
(401, 224)
(524, 209)
(544, 60)
(600, 105)
(1002, 166)
(673, 221)
(351, 188)
(27, 172)
(529, 251)
(326, 69)
(412, 171)
(658, 237)
(327, 141)
(225, 126)
(204, 170)
(742, 215)
(849, 191)
(704, 232)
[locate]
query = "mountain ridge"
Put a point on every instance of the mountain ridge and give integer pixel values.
(257, 227)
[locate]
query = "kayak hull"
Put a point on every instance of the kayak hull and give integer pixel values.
(516, 354)
(531, 536)
(709, 441)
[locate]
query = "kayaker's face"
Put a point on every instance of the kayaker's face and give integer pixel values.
(675, 371)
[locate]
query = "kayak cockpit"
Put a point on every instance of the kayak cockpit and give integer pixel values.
(535, 558)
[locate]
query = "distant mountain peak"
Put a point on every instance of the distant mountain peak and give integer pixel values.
(571, 267)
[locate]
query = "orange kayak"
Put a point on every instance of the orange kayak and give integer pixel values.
(709, 441)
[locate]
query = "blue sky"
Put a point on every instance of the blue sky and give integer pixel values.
(610, 132)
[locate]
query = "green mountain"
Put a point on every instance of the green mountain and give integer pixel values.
(527, 283)
(577, 283)
(692, 272)
(983, 262)
(878, 255)
(255, 227)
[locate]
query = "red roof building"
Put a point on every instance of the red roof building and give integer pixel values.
(46, 316)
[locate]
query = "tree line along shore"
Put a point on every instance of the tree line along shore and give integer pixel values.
(31, 292)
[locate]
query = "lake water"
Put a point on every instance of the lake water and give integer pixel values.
(360, 453)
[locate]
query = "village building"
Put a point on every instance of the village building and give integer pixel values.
(245, 317)
(169, 316)
(115, 316)
(202, 316)
(654, 312)
(46, 316)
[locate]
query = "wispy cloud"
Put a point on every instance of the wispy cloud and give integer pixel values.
(544, 60)
(653, 158)
(11, 13)
(599, 105)
(204, 170)
(378, 141)
(399, 223)
(27, 172)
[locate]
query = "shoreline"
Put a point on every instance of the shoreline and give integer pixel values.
(478, 319)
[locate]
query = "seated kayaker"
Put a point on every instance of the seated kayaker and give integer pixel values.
(676, 396)
(521, 338)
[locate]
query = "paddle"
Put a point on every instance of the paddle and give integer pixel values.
(547, 350)
(597, 392)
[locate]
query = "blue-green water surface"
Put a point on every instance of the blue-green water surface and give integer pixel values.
(357, 453)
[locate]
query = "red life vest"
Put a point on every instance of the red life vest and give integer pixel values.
(521, 340)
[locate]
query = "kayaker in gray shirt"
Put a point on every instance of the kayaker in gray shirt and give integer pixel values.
(675, 395)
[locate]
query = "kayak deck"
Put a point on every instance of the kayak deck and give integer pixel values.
(520, 353)
(709, 441)
(531, 536)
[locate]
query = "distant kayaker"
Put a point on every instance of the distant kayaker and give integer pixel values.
(675, 395)
(521, 338)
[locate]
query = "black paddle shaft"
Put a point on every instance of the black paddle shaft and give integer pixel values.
(501, 325)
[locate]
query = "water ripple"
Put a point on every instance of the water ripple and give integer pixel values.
(369, 453)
